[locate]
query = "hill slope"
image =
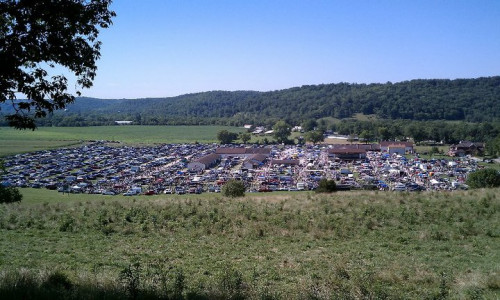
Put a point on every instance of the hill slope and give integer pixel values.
(346, 245)
(473, 100)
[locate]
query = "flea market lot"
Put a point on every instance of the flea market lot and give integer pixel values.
(103, 168)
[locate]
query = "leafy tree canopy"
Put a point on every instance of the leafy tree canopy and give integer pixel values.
(281, 131)
(245, 137)
(233, 188)
(309, 125)
(484, 178)
(326, 186)
(470, 100)
(226, 137)
(315, 136)
(8, 194)
(39, 35)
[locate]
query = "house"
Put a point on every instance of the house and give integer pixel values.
(347, 153)
(204, 162)
(253, 161)
(351, 151)
(396, 147)
(466, 148)
(366, 147)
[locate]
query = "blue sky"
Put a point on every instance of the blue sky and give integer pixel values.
(163, 48)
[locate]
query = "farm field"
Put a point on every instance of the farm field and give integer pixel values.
(302, 245)
(16, 141)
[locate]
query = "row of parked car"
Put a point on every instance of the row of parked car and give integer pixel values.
(110, 169)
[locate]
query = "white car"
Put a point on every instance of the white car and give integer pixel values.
(399, 187)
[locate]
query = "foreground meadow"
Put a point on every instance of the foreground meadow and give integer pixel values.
(349, 245)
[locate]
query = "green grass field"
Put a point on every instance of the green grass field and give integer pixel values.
(349, 245)
(295, 245)
(15, 141)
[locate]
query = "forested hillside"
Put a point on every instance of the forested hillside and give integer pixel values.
(471, 100)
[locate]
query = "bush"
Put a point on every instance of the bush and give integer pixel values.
(9, 194)
(326, 186)
(233, 188)
(485, 178)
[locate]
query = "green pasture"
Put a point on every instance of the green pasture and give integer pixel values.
(39, 196)
(15, 141)
(346, 245)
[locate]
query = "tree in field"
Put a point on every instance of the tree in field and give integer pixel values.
(8, 194)
(484, 178)
(233, 188)
(281, 131)
(37, 36)
(315, 137)
(226, 137)
(493, 147)
(434, 150)
(366, 135)
(245, 137)
(416, 131)
(326, 186)
(309, 125)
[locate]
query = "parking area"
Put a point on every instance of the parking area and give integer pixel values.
(101, 168)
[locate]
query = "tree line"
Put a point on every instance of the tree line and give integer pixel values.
(471, 100)
(429, 132)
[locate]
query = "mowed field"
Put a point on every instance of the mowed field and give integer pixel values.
(15, 141)
(302, 245)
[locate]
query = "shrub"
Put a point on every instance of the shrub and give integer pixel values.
(58, 280)
(233, 188)
(130, 278)
(326, 186)
(485, 178)
(9, 194)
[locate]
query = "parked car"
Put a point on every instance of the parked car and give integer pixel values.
(399, 187)
(180, 190)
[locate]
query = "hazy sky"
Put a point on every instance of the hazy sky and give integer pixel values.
(161, 48)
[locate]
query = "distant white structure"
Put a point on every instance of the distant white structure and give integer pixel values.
(259, 130)
(124, 122)
(338, 137)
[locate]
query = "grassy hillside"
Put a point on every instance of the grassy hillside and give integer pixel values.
(470, 100)
(354, 245)
(15, 141)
